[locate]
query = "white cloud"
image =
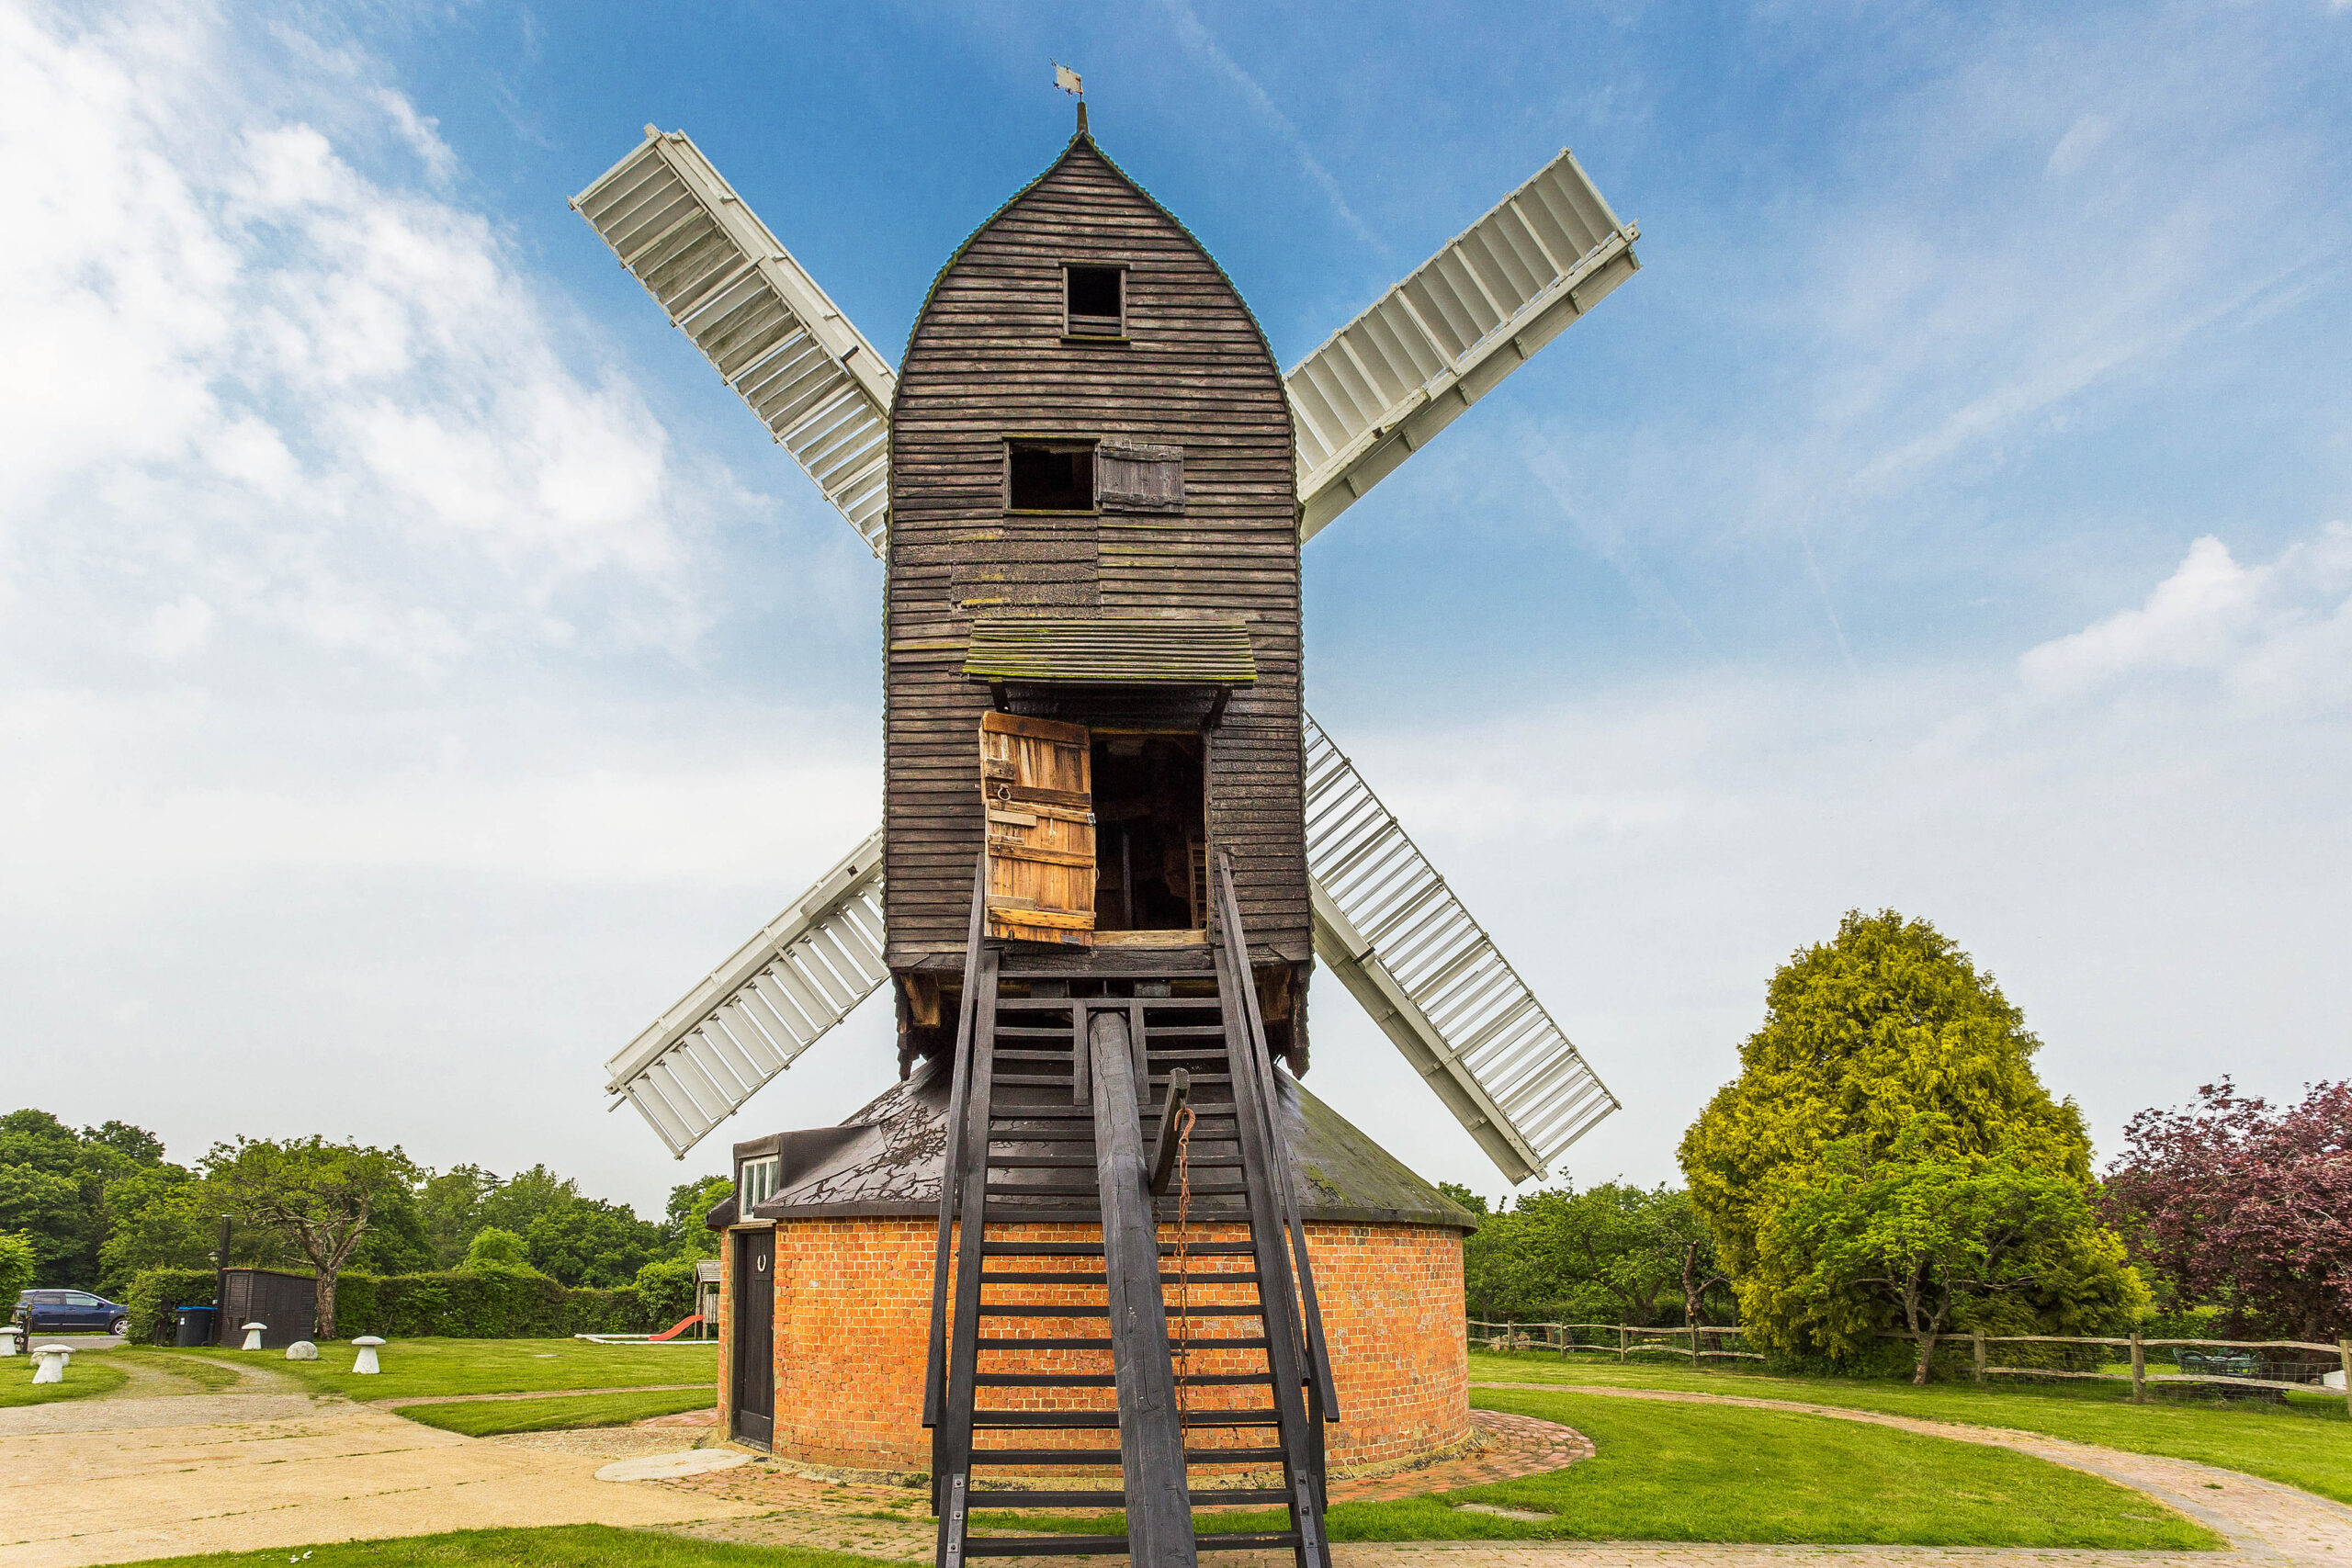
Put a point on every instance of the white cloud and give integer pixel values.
(2083, 139)
(334, 408)
(2275, 635)
(2139, 828)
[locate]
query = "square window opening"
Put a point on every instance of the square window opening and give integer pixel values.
(1095, 298)
(1150, 847)
(1050, 476)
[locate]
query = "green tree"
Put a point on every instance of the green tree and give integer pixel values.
(450, 1205)
(18, 1258)
(67, 1224)
(1937, 1239)
(322, 1197)
(513, 1204)
(589, 1242)
(685, 1235)
(1863, 1037)
(493, 1250)
(46, 1210)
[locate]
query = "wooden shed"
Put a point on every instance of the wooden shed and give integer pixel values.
(1092, 613)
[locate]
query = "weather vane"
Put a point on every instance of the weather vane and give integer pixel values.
(1066, 80)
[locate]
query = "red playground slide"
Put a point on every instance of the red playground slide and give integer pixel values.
(675, 1329)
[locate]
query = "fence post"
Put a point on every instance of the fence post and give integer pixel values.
(2139, 1370)
(1976, 1340)
(2344, 1354)
(1564, 1336)
(1623, 1344)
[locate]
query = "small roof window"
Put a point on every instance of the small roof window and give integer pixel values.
(1094, 300)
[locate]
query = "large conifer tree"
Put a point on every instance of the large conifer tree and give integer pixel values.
(1883, 1047)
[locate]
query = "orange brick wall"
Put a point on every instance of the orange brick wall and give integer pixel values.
(853, 1327)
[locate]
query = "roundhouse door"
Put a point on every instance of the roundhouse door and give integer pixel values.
(753, 1352)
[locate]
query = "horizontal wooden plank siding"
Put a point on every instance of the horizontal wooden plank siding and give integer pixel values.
(988, 361)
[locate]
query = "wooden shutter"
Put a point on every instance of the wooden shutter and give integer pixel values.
(1036, 780)
(1131, 477)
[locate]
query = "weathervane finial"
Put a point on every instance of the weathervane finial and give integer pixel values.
(1068, 81)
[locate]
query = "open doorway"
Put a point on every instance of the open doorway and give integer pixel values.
(1150, 842)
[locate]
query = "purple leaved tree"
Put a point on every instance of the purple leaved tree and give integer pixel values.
(2239, 1203)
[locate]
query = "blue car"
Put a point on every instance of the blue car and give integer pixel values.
(71, 1312)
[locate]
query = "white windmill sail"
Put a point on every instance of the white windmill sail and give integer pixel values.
(1438, 342)
(1386, 923)
(789, 352)
(696, 1064)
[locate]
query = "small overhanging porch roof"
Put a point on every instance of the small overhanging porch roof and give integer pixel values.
(1153, 653)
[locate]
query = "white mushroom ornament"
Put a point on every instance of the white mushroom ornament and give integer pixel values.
(366, 1365)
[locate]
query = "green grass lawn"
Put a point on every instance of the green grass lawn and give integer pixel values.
(1717, 1473)
(413, 1367)
(558, 1546)
(189, 1366)
(487, 1418)
(2307, 1442)
(85, 1374)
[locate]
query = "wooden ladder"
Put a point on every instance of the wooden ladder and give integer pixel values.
(1060, 1114)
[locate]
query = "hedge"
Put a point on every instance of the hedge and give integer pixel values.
(458, 1302)
(154, 1292)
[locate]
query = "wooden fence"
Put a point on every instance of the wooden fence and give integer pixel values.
(1625, 1340)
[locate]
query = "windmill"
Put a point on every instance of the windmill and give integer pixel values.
(1090, 493)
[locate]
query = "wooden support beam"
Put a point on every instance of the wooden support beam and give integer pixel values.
(1151, 1434)
(1163, 1149)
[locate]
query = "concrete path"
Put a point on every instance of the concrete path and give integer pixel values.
(148, 1473)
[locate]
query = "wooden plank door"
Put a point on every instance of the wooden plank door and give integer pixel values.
(753, 1350)
(1038, 783)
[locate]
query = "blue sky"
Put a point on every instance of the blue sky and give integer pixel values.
(415, 669)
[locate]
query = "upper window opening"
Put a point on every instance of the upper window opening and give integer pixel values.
(1051, 477)
(1096, 298)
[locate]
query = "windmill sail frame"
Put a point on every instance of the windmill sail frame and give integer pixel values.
(1381, 387)
(752, 1017)
(772, 334)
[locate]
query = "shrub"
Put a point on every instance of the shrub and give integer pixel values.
(18, 1260)
(494, 1249)
(155, 1292)
(666, 1293)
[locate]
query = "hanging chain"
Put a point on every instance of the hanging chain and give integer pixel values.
(1184, 1119)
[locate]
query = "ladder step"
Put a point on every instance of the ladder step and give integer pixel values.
(1166, 1278)
(1094, 1248)
(1032, 1309)
(1106, 1420)
(1107, 1499)
(1040, 1189)
(1044, 1545)
(1106, 1380)
(1199, 1342)
(1089, 1457)
(1240, 1541)
(1052, 1162)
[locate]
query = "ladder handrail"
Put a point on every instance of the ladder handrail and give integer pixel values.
(960, 1089)
(1318, 1354)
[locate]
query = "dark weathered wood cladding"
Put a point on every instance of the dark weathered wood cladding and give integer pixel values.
(988, 359)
